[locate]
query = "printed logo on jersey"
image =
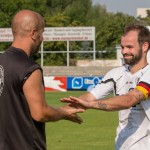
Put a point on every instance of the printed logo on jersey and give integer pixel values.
(1, 79)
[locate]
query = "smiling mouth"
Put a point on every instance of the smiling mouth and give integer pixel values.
(127, 56)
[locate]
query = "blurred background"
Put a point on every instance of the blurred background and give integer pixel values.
(82, 37)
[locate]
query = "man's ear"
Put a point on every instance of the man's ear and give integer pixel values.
(33, 34)
(145, 46)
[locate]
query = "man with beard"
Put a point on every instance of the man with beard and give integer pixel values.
(23, 108)
(131, 86)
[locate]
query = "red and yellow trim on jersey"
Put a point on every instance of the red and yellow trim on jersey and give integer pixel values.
(144, 88)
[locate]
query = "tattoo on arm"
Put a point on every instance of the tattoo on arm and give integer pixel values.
(139, 96)
(102, 106)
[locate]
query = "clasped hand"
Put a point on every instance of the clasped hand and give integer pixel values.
(76, 103)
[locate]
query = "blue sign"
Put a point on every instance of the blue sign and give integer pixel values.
(77, 82)
(82, 83)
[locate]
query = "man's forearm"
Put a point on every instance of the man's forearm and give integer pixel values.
(114, 103)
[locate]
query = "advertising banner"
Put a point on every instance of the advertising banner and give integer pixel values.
(57, 34)
(55, 83)
(59, 83)
(82, 83)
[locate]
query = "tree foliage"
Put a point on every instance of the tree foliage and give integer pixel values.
(64, 13)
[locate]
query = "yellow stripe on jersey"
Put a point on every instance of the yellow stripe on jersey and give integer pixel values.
(143, 90)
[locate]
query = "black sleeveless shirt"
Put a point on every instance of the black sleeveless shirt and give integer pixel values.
(18, 130)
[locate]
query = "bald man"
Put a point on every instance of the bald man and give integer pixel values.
(23, 108)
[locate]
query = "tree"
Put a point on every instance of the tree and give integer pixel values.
(9, 7)
(145, 20)
(66, 13)
(109, 27)
(78, 10)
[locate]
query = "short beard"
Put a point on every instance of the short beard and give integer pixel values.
(135, 59)
(35, 49)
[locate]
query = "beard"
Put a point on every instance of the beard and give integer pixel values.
(36, 48)
(134, 58)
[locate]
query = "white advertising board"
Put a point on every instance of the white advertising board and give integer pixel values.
(69, 34)
(6, 35)
(57, 34)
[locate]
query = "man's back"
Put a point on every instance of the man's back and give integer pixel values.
(17, 128)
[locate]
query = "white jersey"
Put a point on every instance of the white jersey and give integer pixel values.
(133, 131)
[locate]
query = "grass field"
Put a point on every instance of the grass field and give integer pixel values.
(97, 132)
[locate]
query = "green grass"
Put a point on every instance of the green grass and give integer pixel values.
(97, 132)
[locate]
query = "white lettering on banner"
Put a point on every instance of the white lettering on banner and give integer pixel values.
(69, 34)
(57, 34)
(6, 35)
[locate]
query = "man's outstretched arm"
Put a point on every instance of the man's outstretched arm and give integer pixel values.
(34, 93)
(110, 104)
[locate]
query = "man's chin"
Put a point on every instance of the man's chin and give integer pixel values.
(128, 62)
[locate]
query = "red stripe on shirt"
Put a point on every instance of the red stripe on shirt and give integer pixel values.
(142, 84)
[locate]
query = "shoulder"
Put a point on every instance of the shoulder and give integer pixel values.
(117, 71)
(146, 75)
(147, 68)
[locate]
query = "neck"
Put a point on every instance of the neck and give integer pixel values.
(21, 45)
(138, 66)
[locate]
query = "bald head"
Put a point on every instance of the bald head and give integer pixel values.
(25, 21)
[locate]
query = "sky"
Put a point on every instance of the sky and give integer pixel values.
(125, 6)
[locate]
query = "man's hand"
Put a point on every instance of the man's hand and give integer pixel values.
(70, 112)
(74, 118)
(76, 102)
